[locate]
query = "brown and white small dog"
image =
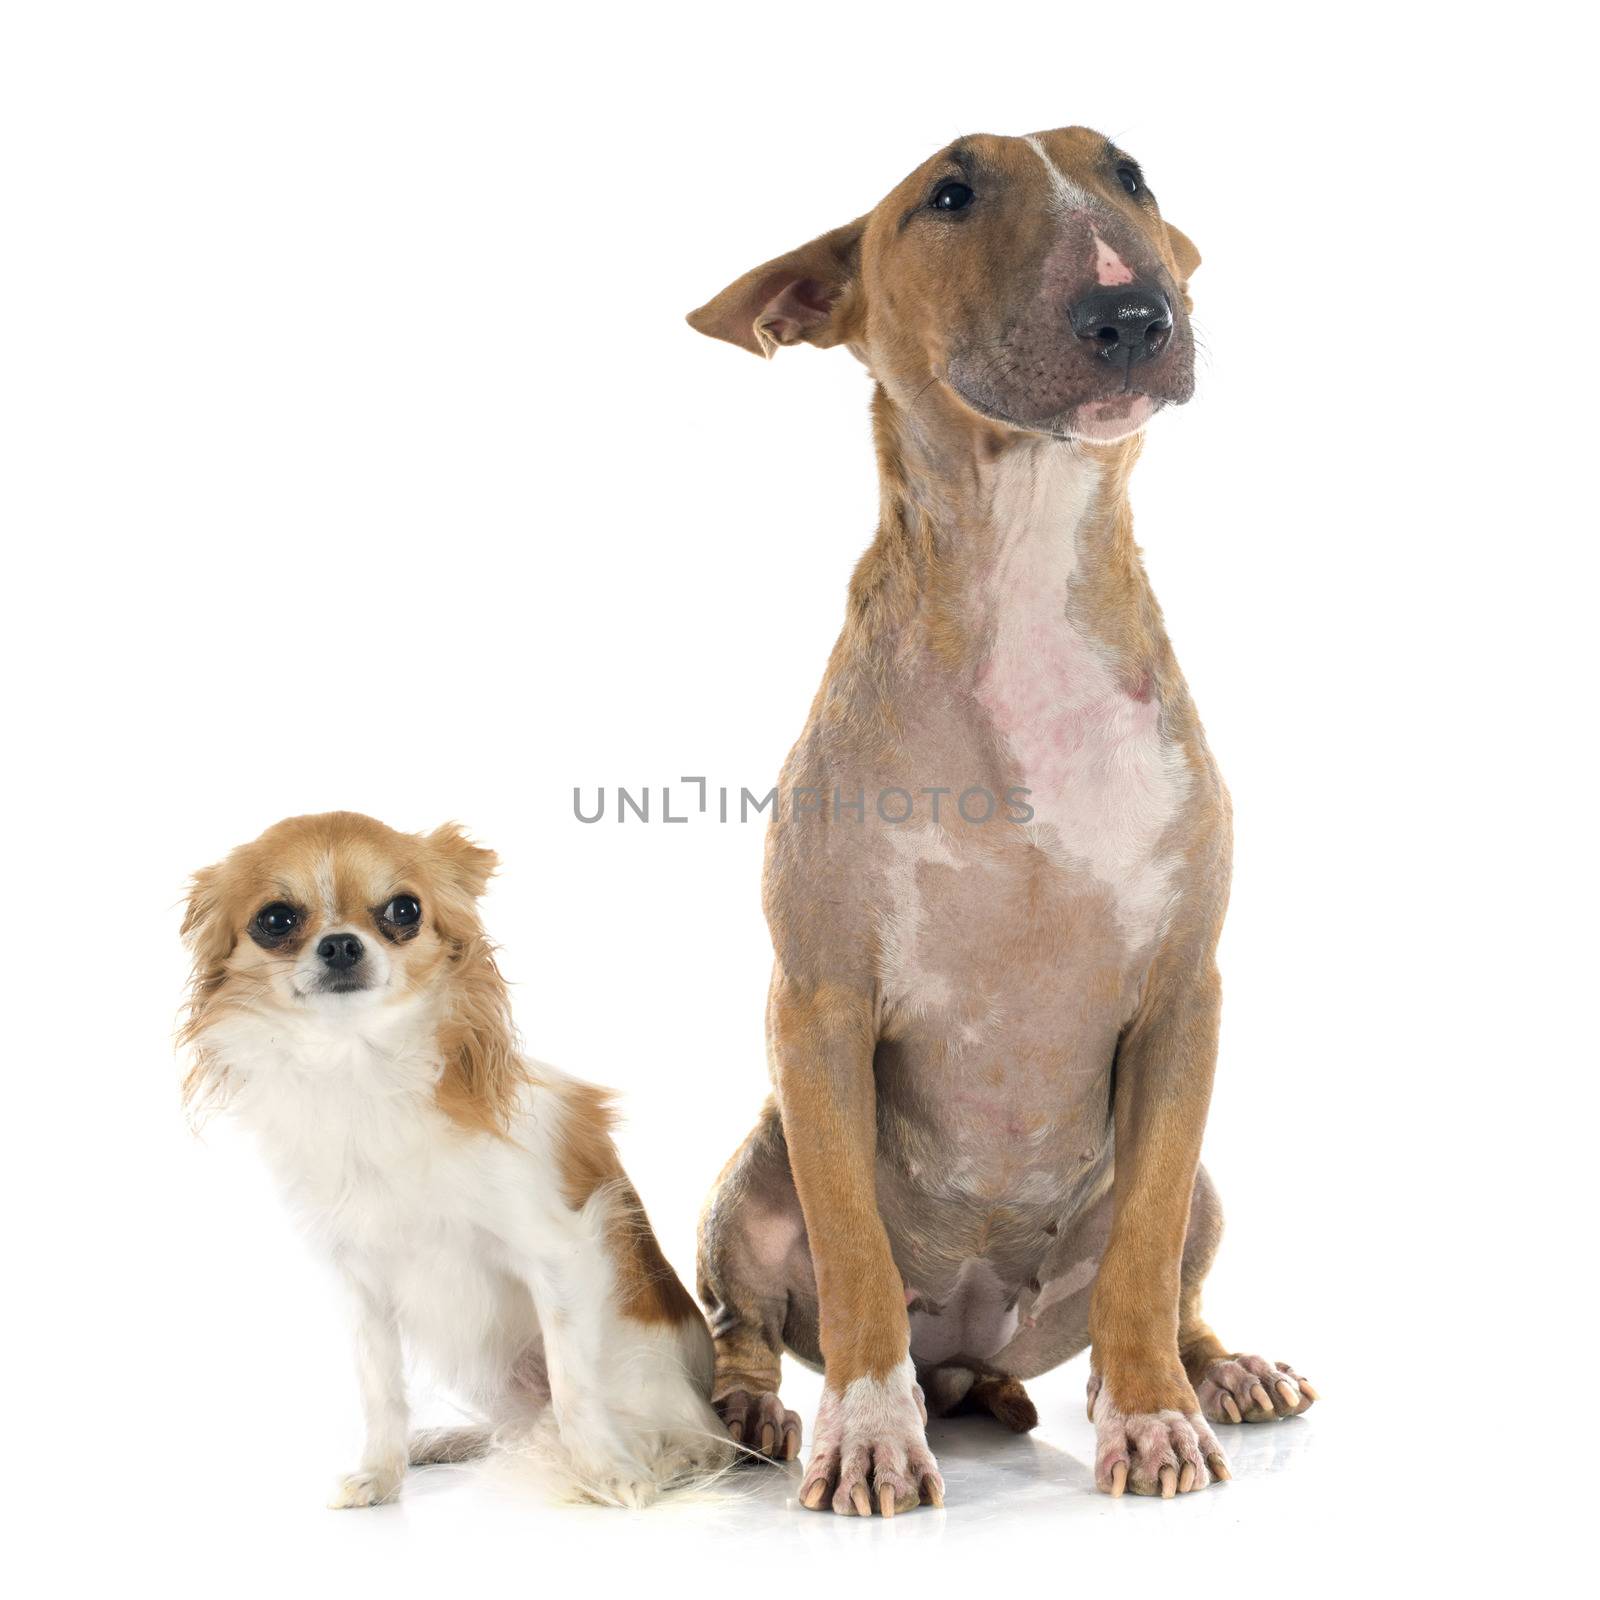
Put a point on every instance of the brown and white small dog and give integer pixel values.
(346, 1007)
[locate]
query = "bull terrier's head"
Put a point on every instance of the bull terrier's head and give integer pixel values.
(1028, 282)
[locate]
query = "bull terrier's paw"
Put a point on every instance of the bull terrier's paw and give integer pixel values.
(370, 1486)
(871, 1453)
(1253, 1389)
(1151, 1452)
(760, 1422)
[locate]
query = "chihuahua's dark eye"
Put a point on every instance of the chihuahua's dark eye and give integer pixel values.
(277, 920)
(404, 911)
(952, 197)
(1128, 177)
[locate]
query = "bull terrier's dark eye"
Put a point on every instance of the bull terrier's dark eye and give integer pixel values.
(952, 197)
(277, 921)
(404, 911)
(1128, 177)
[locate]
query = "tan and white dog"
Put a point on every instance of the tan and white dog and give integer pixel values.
(346, 1008)
(998, 869)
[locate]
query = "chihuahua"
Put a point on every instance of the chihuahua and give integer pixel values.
(346, 1007)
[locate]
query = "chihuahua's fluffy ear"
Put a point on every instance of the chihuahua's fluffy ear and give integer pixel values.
(483, 1069)
(468, 865)
(205, 930)
(210, 938)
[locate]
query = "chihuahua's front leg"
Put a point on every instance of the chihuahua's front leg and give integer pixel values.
(1149, 1434)
(381, 1367)
(870, 1450)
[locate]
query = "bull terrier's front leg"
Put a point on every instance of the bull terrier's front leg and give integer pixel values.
(869, 1452)
(1150, 1435)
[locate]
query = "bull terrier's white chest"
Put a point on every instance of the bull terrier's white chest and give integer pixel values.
(1104, 782)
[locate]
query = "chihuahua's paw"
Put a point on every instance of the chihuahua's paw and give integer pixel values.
(695, 1456)
(1253, 1389)
(760, 1422)
(370, 1486)
(871, 1452)
(1151, 1452)
(600, 1465)
(686, 1457)
(631, 1490)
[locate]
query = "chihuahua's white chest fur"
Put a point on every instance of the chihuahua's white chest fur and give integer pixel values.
(409, 1206)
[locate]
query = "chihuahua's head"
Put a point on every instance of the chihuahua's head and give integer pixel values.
(340, 919)
(1030, 284)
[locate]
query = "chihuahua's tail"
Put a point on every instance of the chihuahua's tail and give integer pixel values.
(450, 1447)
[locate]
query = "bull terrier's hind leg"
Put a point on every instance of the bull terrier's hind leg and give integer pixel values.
(754, 1279)
(1231, 1386)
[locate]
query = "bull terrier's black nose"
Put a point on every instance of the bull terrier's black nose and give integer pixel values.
(1126, 325)
(340, 951)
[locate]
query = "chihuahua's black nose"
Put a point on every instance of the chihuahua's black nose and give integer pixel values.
(1126, 325)
(340, 951)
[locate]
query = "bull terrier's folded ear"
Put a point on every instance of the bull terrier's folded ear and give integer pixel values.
(1183, 252)
(809, 295)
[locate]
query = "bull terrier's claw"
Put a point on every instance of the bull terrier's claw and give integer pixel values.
(1165, 1453)
(871, 1452)
(761, 1423)
(1253, 1389)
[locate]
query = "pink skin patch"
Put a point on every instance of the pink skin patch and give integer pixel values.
(1106, 421)
(1109, 268)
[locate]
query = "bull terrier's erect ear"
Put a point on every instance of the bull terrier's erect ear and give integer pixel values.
(806, 296)
(1183, 252)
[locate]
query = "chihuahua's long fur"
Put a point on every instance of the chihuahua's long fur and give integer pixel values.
(345, 1006)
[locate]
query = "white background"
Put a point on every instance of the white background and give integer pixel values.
(356, 455)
